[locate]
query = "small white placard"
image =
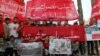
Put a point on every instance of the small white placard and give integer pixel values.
(98, 23)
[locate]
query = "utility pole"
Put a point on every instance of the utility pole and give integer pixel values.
(80, 10)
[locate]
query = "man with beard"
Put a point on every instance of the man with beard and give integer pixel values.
(14, 32)
(14, 28)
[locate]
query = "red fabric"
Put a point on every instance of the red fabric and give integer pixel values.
(20, 2)
(1, 30)
(96, 36)
(58, 9)
(56, 31)
(95, 11)
(20, 17)
(46, 45)
(26, 40)
(12, 8)
(21, 13)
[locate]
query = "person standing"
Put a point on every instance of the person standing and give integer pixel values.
(6, 28)
(46, 46)
(59, 23)
(75, 48)
(9, 46)
(94, 28)
(91, 44)
(44, 23)
(14, 26)
(82, 43)
(66, 23)
(21, 26)
(75, 23)
(50, 22)
(29, 22)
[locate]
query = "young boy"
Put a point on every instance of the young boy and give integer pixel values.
(75, 48)
(9, 46)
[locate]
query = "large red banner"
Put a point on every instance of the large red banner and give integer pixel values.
(70, 32)
(57, 9)
(20, 2)
(95, 14)
(95, 9)
(10, 8)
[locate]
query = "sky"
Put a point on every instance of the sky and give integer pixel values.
(86, 9)
(86, 5)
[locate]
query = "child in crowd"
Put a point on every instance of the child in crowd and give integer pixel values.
(9, 46)
(75, 48)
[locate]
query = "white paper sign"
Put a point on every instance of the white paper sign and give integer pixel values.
(98, 22)
(89, 37)
(60, 46)
(30, 49)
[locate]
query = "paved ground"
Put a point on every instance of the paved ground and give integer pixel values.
(89, 55)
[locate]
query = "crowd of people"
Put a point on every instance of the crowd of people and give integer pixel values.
(93, 45)
(10, 32)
